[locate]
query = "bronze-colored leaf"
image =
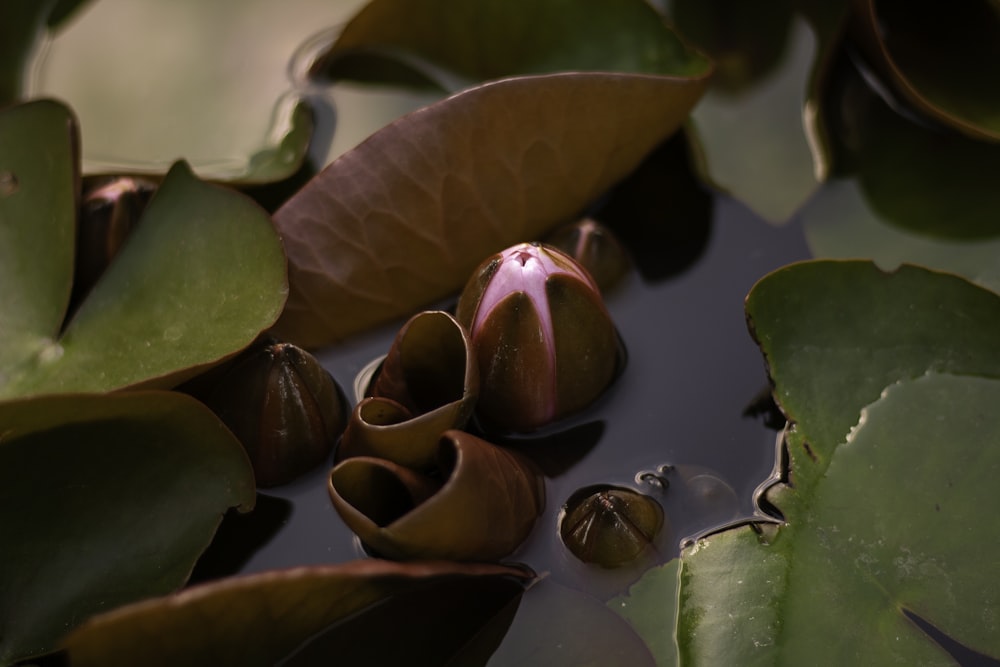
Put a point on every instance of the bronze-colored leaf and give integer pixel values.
(263, 619)
(428, 383)
(404, 218)
(485, 509)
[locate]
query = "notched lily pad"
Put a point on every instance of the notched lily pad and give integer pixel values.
(202, 274)
(404, 218)
(486, 506)
(105, 500)
(297, 614)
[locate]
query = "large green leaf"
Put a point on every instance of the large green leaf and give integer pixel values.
(105, 500)
(650, 606)
(404, 218)
(897, 526)
(456, 42)
(302, 613)
(200, 277)
(38, 192)
(944, 62)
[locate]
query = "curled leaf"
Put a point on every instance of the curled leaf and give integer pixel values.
(486, 507)
(428, 384)
(404, 218)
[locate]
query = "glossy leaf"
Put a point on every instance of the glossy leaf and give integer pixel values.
(921, 179)
(201, 276)
(840, 224)
(457, 181)
(105, 500)
(427, 384)
(836, 333)
(264, 618)
(883, 535)
(486, 506)
(939, 61)
(38, 191)
(398, 40)
(756, 134)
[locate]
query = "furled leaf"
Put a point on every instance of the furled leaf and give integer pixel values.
(200, 277)
(38, 192)
(925, 180)
(756, 134)
(840, 224)
(650, 606)
(836, 333)
(404, 218)
(265, 618)
(556, 625)
(486, 506)
(105, 500)
(943, 62)
(455, 42)
(896, 528)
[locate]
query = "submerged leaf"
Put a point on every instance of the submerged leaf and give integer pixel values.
(265, 618)
(896, 527)
(404, 218)
(486, 507)
(943, 60)
(105, 500)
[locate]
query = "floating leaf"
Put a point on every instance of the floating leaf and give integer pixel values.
(942, 62)
(201, 276)
(951, 195)
(650, 606)
(265, 618)
(486, 507)
(404, 218)
(883, 536)
(105, 500)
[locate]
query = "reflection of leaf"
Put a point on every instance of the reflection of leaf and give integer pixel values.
(262, 619)
(945, 62)
(105, 500)
(200, 277)
(925, 180)
(883, 532)
(487, 40)
(486, 506)
(405, 217)
(840, 225)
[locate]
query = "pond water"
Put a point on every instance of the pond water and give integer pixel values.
(681, 401)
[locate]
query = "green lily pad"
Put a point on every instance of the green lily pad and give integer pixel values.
(752, 135)
(105, 500)
(897, 527)
(927, 181)
(265, 618)
(453, 43)
(200, 277)
(943, 62)
(650, 606)
(836, 333)
(839, 224)
(403, 219)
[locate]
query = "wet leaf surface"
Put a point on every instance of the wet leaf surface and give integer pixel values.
(111, 499)
(404, 218)
(940, 61)
(200, 277)
(650, 606)
(299, 613)
(882, 535)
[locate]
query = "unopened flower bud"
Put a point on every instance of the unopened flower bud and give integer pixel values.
(544, 341)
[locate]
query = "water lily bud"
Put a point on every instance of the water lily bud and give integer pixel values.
(284, 407)
(544, 341)
(595, 247)
(609, 526)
